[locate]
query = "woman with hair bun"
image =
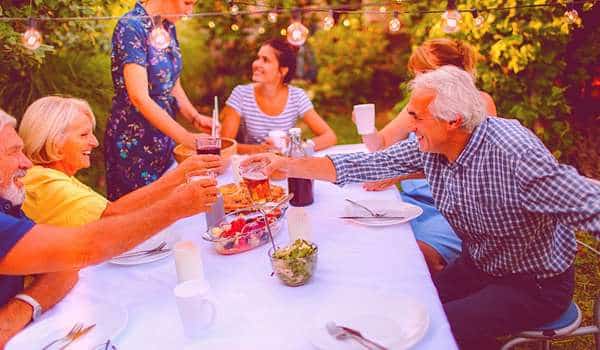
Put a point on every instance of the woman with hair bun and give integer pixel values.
(271, 103)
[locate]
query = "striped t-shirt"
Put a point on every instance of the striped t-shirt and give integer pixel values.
(255, 123)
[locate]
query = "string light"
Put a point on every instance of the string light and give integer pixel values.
(346, 22)
(31, 38)
(235, 27)
(329, 21)
(159, 37)
(272, 17)
(297, 33)
(571, 14)
(451, 18)
(394, 25)
(478, 19)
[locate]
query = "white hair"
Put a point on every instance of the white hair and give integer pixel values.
(44, 124)
(11, 192)
(7, 119)
(456, 94)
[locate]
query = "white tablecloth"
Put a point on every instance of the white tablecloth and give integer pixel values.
(256, 311)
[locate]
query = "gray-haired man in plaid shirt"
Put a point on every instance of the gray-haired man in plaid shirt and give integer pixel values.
(512, 204)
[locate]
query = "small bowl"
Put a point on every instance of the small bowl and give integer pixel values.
(297, 271)
(228, 149)
(252, 234)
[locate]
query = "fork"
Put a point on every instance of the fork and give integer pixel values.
(80, 334)
(107, 345)
(77, 331)
(158, 249)
(370, 211)
(342, 332)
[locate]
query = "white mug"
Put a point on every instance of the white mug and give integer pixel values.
(196, 307)
(364, 116)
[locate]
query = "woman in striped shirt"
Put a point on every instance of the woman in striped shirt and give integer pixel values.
(270, 103)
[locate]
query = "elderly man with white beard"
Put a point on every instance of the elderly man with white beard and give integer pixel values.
(51, 253)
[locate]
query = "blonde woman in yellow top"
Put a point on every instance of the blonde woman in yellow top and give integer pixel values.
(58, 138)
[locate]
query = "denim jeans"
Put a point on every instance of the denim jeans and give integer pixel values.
(481, 307)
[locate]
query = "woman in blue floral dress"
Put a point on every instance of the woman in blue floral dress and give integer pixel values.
(141, 131)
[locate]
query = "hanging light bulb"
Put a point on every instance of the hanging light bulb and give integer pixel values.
(297, 33)
(395, 24)
(283, 32)
(451, 18)
(571, 14)
(31, 38)
(346, 22)
(235, 27)
(261, 30)
(211, 24)
(234, 9)
(272, 16)
(478, 19)
(159, 37)
(329, 21)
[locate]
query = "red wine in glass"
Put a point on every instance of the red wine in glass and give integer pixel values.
(208, 150)
(208, 145)
(302, 190)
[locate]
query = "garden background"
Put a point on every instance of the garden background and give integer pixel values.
(538, 68)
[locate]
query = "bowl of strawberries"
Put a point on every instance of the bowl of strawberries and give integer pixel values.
(244, 229)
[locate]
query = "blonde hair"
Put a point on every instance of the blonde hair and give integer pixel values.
(435, 53)
(6, 119)
(44, 124)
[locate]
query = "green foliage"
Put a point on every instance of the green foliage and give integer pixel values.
(347, 59)
(523, 61)
(74, 60)
(25, 68)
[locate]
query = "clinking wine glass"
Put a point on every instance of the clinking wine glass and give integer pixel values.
(208, 145)
(257, 181)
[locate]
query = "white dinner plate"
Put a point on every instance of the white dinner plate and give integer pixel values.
(143, 259)
(397, 328)
(109, 319)
(388, 207)
(168, 236)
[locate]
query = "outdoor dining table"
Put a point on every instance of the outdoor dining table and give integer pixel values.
(356, 265)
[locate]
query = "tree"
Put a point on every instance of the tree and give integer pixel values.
(523, 61)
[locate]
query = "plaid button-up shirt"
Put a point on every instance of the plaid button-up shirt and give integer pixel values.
(513, 205)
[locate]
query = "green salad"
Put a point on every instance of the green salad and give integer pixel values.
(295, 263)
(299, 249)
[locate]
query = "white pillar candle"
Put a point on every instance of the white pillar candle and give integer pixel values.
(299, 226)
(188, 262)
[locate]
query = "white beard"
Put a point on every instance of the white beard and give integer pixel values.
(12, 193)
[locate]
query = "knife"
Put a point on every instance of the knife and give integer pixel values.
(372, 217)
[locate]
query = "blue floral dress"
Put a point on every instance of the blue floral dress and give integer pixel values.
(137, 153)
